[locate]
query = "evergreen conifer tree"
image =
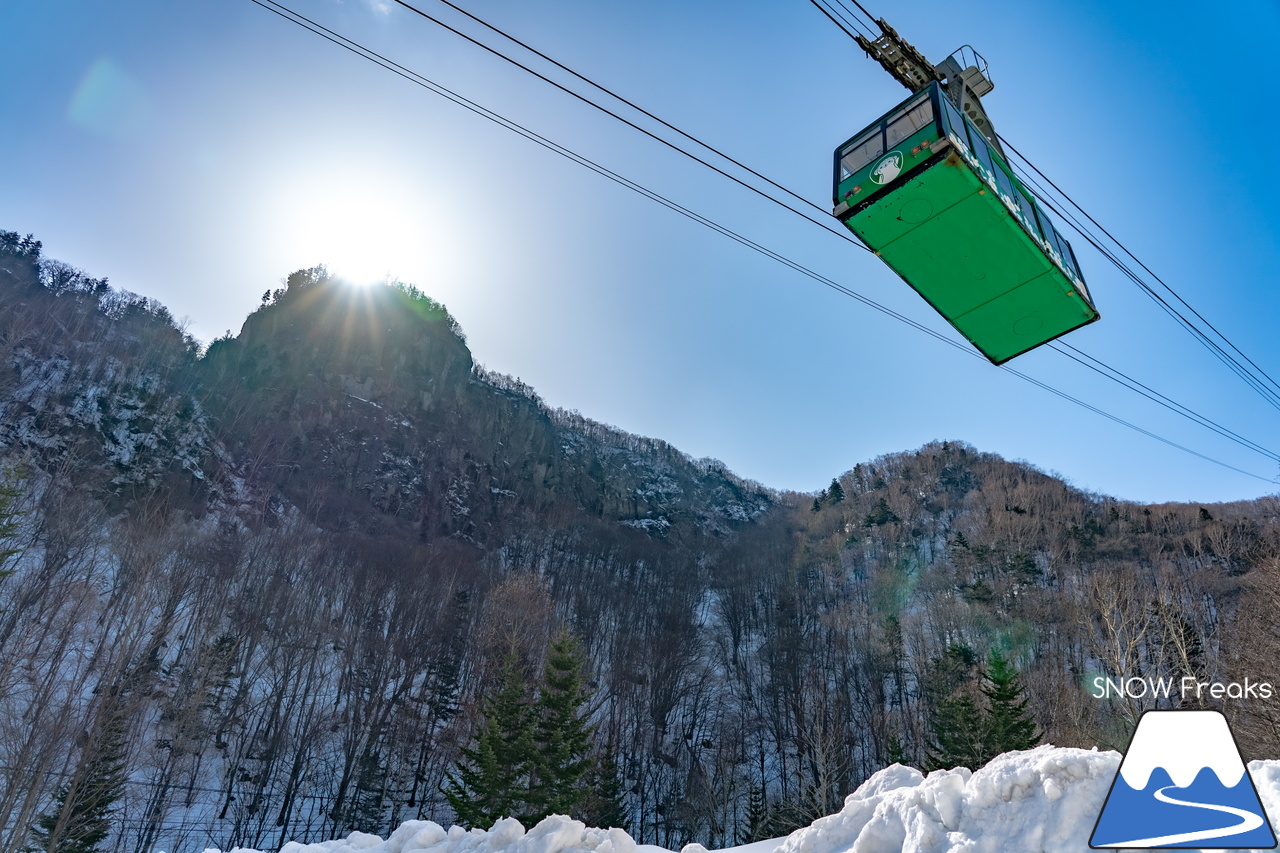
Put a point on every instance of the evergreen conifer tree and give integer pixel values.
(80, 820)
(9, 514)
(819, 500)
(1009, 725)
(880, 514)
(562, 733)
(967, 734)
(959, 733)
(897, 751)
(835, 492)
(606, 804)
(365, 809)
(758, 824)
(492, 780)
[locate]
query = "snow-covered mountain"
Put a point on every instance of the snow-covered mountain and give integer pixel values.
(274, 580)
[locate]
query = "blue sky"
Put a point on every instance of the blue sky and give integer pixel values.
(198, 152)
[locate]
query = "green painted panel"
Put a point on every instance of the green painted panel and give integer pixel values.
(952, 239)
(1031, 314)
(977, 252)
(914, 203)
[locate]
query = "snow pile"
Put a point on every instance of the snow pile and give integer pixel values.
(554, 835)
(1044, 800)
(1266, 778)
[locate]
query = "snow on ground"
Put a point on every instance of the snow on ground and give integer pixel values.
(1044, 800)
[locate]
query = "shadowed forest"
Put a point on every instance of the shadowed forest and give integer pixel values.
(258, 592)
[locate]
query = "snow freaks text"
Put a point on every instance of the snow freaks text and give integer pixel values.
(1187, 687)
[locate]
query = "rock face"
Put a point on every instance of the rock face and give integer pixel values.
(362, 407)
(340, 482)
(98, 380)
(375, 391)
(296, 560)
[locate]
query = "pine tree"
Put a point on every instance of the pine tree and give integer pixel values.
(365, 810)
(880, 514)
(835, 492)
(959, 733)
(1009, 726)
(954, 716)
(9, 515)
(562, 733)
(759, 824)
(606, 804)
(492, 780)
(81, 818)
(819, 500)
(969, 735)
(897, 751)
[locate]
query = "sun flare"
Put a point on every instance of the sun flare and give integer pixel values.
(361, 231)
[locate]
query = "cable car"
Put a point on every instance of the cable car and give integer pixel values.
(936, 200)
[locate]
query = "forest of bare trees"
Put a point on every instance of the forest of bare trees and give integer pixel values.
(258, 594)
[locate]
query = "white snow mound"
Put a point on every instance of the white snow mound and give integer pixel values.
(556, 834)
(1043, 800)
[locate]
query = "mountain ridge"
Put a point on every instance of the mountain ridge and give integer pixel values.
(297, 559)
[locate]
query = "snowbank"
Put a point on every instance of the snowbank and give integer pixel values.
(553, 835)
(1044, 800)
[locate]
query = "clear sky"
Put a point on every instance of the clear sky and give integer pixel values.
(199, 151)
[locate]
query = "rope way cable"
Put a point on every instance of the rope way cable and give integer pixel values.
(826, 9)
(1064, 395)
(850, 9)
(365, 53)
(1260, 372)
(833, 4)
(825, 213)
(1250, 378)
(823, 223)
(1083, 231)
(1256, 378)
(354, 47)
(864, 11)
(1155, 396)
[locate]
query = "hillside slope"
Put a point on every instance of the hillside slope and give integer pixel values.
(274, 580)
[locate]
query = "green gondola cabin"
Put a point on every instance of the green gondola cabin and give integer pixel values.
(937, 202)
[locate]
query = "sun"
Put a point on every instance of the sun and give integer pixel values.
(364, 231)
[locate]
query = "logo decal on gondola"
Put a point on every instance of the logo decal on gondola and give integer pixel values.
(888, 168)
(1182, 783)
